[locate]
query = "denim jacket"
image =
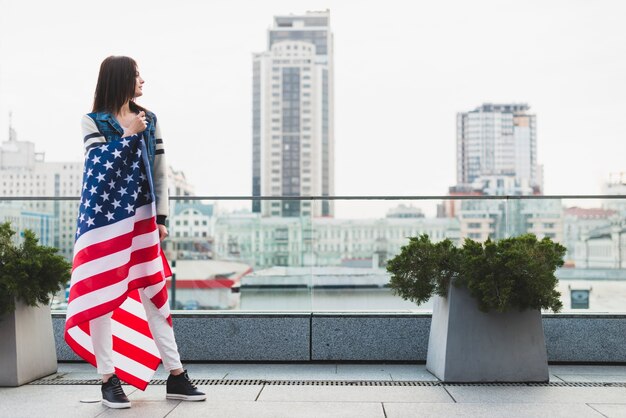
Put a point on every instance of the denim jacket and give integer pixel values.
(99, 127)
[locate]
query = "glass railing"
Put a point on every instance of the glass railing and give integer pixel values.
(314, 254)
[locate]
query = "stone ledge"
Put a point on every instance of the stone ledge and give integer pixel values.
(360, 336)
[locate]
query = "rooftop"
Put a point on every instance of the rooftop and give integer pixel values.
(328, 390)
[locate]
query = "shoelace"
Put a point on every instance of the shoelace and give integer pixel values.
(189, 382)
(117, 390)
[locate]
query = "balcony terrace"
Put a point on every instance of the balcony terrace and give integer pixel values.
(292, 316)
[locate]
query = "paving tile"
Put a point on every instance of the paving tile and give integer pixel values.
(415, 372)
(143, 409)
(363, 372)
(525, 394)
(593, 378)
(214, 392)
(206, 371)
(278, 410)
(611, 410)
(354, 394)
(584, 369)
(486, 410)
(282, 371)
(50, 401)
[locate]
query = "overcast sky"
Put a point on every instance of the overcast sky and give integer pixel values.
(403, 71)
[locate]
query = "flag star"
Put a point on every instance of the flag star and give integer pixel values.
(104, 147)
(123, 191)
(100, 177)
(129, 178)
(93, 190)
(117, 153)
(77, 231)
(130, 208)
(108, 165)
(90, 172)
(148, 196)
(135, 165)
(119, 172)
(90, 221)
(142, 176)
(104, 196)
(125, 142)
(96, 159)
(97, 208)
(109, 216)
(111, 184)
(84, 186)
(135, 194)
(116, 203)
(82, 216)
(86, 203)
(138, 153)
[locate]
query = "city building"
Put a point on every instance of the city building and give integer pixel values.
(293, 117)
(578, 223)
(178, 185)
(300, 242)
(25, 173)
(603, 247)
(190, 231)
(616, 185)
(498, 140)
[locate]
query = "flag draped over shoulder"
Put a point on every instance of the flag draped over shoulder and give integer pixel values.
(116, 252)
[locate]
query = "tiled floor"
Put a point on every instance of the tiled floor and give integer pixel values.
(266, 400)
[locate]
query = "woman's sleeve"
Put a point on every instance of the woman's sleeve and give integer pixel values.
(160, 178)
(91, 135)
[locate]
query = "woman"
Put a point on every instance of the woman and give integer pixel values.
(115, 117)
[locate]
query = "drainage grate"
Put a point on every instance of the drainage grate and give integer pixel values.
(59, 380)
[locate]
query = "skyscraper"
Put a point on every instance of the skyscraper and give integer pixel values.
(498, 140)
(293, 116)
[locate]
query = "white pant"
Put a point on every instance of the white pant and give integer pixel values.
(162, 332)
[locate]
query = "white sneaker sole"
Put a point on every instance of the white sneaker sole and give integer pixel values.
(116, 405)
(185, 397)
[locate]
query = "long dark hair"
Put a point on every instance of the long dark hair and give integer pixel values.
(116, 85)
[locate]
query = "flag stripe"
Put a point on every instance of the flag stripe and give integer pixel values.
(147, 257)
(114, 245)
(113, 296)
(136, 352)
(130, 379)
(124, 226)
(132, 366)
(122, 316)
(105, 264)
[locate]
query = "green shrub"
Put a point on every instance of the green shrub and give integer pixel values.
(512, 273)
(29, 272)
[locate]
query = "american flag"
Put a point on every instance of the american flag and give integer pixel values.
(116, 252)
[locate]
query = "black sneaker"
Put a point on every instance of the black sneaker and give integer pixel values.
(180, 387)
(113, 395)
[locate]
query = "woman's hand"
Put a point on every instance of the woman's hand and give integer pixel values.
(162, 232)
(137, 124)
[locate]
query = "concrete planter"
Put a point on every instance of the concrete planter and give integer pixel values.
(467, 345)
(27, 350)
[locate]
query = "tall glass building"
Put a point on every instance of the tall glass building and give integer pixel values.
(498, 140)
(292, 117)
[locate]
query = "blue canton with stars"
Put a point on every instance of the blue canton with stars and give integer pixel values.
(116, 182)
